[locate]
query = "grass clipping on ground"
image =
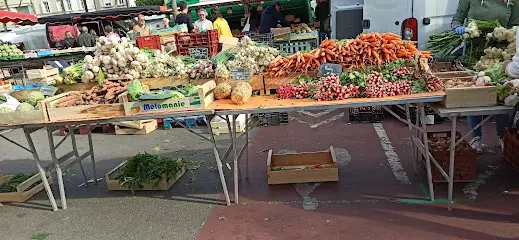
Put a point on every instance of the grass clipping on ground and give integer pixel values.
(147, 168)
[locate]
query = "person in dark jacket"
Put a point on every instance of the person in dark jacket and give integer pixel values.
(322, 14)
(271, 17)
(86, 39)
(69, 41)
(184, 17)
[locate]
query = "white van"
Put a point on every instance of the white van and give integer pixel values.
(413, 19)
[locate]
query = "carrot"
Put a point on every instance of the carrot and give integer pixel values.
(329, 52)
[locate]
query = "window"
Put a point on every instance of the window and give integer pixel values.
(120, 2)
(69, 5)
(46, 7)
(59, 5)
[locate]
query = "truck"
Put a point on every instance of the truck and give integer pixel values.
(414, 20)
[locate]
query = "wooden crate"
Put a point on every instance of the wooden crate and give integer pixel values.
(114, 185)
(25, 117)
(23, 191)
(470, 97)
(302, 167)
(511, 147)
(220, 127)
(465, 161)
(146, 126)
(82, 112)
(273, 83)
(204, 98)
(42, 73)
(454, 74)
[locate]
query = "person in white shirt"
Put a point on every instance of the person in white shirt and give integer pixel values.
(202, 24)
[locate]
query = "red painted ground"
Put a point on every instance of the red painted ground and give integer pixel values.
(357, 206)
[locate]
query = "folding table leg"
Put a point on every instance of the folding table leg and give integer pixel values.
(218, 163)
(58, 169)
(76, 153)
(236, 168)
(91, 149)
(426, 146)
(454, 119)
(247, 146)
(41, 170)
(411, 131)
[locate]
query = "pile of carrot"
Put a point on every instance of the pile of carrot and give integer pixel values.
(365, 50)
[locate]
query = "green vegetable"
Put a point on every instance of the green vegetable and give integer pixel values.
(34, 98)
(503, 91)
(160, 95)
(24, 107)
(135, 89)
(354, 77)
(496, 73)
(100, 77)
(190, 90)
(10, 186)
(177, 94)
(147, 168)
(418, 86)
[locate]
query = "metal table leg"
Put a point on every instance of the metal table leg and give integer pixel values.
(58, 169)
(91, 150)
(76, 153)
(247, 146)
(426, 147)
(236, 168)
(451, 162)
(40, 169)
(411, 131)
(218, 161)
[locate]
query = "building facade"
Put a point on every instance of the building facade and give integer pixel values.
(55, 7)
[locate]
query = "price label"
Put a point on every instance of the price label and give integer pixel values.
(199, 53)
(329, 68)
(242, 74)
(48, 90)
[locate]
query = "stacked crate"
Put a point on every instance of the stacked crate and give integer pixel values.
(273, 119)
(366, 114)
(207, 40)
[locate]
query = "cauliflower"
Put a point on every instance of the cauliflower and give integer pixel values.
(34, 97)
(24, 107)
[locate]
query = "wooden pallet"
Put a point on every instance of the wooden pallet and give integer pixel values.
(147, 127)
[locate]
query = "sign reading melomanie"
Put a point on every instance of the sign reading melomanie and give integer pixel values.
(157, 106)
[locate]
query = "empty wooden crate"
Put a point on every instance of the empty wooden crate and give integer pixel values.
(302, 167)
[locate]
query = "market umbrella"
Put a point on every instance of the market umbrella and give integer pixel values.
(17, 18)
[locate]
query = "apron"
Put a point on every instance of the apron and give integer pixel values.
(489, 10)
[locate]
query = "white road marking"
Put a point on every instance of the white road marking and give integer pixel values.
(392, 157)
(471, 189)
(316, 115)
(326, 121)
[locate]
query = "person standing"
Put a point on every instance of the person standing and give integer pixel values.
(487, 10)
(141, 26)
(322, 14)
(69, 41)
(184, 18)
(271, 17)
(109, 30)
(202, 24)
(86, 39)
(219, 23)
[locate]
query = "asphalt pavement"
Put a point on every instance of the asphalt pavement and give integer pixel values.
(378, 195)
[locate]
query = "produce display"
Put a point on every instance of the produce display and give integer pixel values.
(114, 58)
(147, 168)
(392, 79)
(203, 69)
(34, 98)
(365, 50)
(164, 65)
(71, 74)
(502, 47)
(137, 91)
(8, 50)
(301, 28)
(104, 94)
(250, 56)
(240, 93)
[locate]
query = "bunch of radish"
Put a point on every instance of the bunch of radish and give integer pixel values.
(402, 72)
(329, 88)
(303, 90)
(376, 86)
(402, 87)
(433, 83)
(286, 91)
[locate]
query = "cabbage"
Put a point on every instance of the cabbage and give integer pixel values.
(177, 94)
(5, 110)
(34, 97)
(135, 88)
(24, 107)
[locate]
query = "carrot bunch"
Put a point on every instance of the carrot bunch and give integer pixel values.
(365, 50)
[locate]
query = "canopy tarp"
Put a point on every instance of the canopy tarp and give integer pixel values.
(69, 18)
(17, 18)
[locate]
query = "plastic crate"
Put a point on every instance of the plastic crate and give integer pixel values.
(366, 114)
(292, 47)
(44, 53)
(264, 39)
(272, 119)
(412, 113)
(511, 147)
(149, 42)
(196, 39)
(184, 50)
(465, 164)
